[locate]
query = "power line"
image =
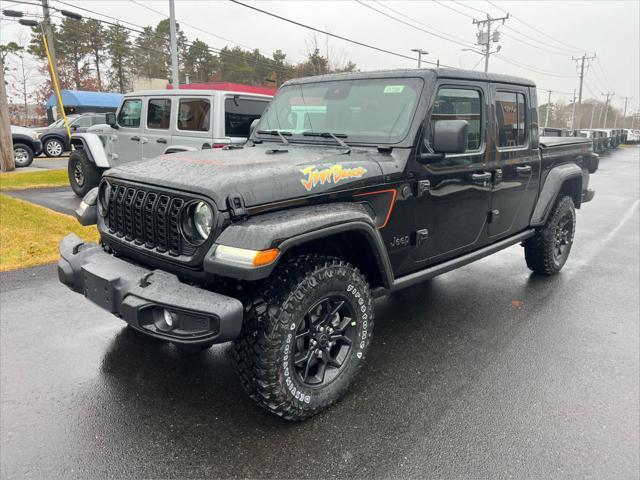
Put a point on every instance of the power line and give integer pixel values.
(449, 39)
(470, 8)
(324, 32)
(573, 47)
(603, 73)
(531, 68)
(443, 4)
(192, 26)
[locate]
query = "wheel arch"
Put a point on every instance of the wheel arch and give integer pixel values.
(344, 230)
(563, 179)
(91, 144)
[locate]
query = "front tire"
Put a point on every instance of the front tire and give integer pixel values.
(547, 251)
(53, 147)
(22, 155)
(306, 336)
(83, 174)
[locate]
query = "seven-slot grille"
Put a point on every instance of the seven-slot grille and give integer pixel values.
(147, 218)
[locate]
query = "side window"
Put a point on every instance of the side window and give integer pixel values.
(460, 104)
(159, 113)
(239, 113)
(129, 115)
(511, 116)
(98, 119)
(83, 122)
(193, 114)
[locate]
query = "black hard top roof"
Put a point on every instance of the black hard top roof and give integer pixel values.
(453, 73)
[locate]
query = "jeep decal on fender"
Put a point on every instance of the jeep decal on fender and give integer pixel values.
(334, 173)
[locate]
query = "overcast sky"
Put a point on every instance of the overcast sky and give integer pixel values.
(554, 30)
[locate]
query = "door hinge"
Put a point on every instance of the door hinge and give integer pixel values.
(422, 236)
(493, 216)
(237, 210)
(497, 176)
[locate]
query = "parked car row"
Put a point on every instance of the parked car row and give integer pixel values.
(604, 139)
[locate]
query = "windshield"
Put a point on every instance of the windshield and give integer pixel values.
(367, 110)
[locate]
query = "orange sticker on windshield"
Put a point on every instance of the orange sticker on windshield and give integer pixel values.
(332, 174)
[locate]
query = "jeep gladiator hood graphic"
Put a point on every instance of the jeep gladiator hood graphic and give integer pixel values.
(261, 174)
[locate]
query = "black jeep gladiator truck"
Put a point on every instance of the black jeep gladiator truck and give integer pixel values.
(351, 186)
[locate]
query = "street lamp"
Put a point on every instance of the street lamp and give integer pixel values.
(420, 52)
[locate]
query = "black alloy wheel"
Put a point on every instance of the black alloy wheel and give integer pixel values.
(323, 341)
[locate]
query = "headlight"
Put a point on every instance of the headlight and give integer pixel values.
(197, 222)
(104, 194)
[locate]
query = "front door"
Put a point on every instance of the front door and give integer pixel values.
(516, 165)
(125, 142)
(157, 132)
(453, 194)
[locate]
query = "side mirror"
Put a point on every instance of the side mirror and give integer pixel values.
(253, 126)
(111, 120)
(74, 127)
(449, 136)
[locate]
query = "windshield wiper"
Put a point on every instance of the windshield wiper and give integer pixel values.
(276, 132)
(336, 136)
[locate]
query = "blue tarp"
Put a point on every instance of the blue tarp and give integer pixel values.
(79, 98)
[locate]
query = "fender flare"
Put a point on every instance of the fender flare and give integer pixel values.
(555, 179)
(291, 228)
(178, 148)
(92, 145)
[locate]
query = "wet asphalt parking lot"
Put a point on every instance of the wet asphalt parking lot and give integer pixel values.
(485, 372)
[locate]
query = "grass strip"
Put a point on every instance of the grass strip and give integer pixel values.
(24, 180)
(30, 234)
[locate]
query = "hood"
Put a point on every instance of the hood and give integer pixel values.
(23, 131)
(261, 174)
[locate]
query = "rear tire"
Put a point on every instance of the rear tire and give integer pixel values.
(305, 336)
(53, 147)
(547, 251)
(22, 155)
(83, 173)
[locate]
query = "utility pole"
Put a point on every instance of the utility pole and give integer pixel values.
(7, 162)
(573, 113)
(546, 118)
(486, 38)
(175, 80)
(48, 32)
(593, 111)
(606, 107)
(420, 52)
(582, 60)
(624, 115)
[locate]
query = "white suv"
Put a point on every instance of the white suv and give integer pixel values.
(152, 123)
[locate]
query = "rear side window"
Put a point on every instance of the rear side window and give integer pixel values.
(194, 114)
(511, 115)
(460, 104)
(239, 113)
(159, 113)
(129, 115)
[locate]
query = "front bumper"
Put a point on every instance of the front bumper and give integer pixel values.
(37, 147)
(140, 296)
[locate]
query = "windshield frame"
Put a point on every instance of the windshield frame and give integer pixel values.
(351, 139)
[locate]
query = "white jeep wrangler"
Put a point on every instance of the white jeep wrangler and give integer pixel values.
(152, 123)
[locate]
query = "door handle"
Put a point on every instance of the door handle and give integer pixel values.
(144, 139)
(481, 178)
(135, 139)
(161, 140)
(526, 170)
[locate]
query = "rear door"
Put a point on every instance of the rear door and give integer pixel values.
(157, 133)
(516, 165)
(453, 194)
(239, 112)
(193, 122)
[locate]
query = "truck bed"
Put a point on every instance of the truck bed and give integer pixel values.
(555, 148)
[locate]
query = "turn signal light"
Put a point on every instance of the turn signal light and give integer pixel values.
(249, 258)
(265, 257)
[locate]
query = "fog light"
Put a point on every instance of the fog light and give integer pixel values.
(168, 318)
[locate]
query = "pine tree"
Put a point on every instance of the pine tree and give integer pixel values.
(120, 55)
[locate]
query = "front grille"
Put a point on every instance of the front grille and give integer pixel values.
(148, 219)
